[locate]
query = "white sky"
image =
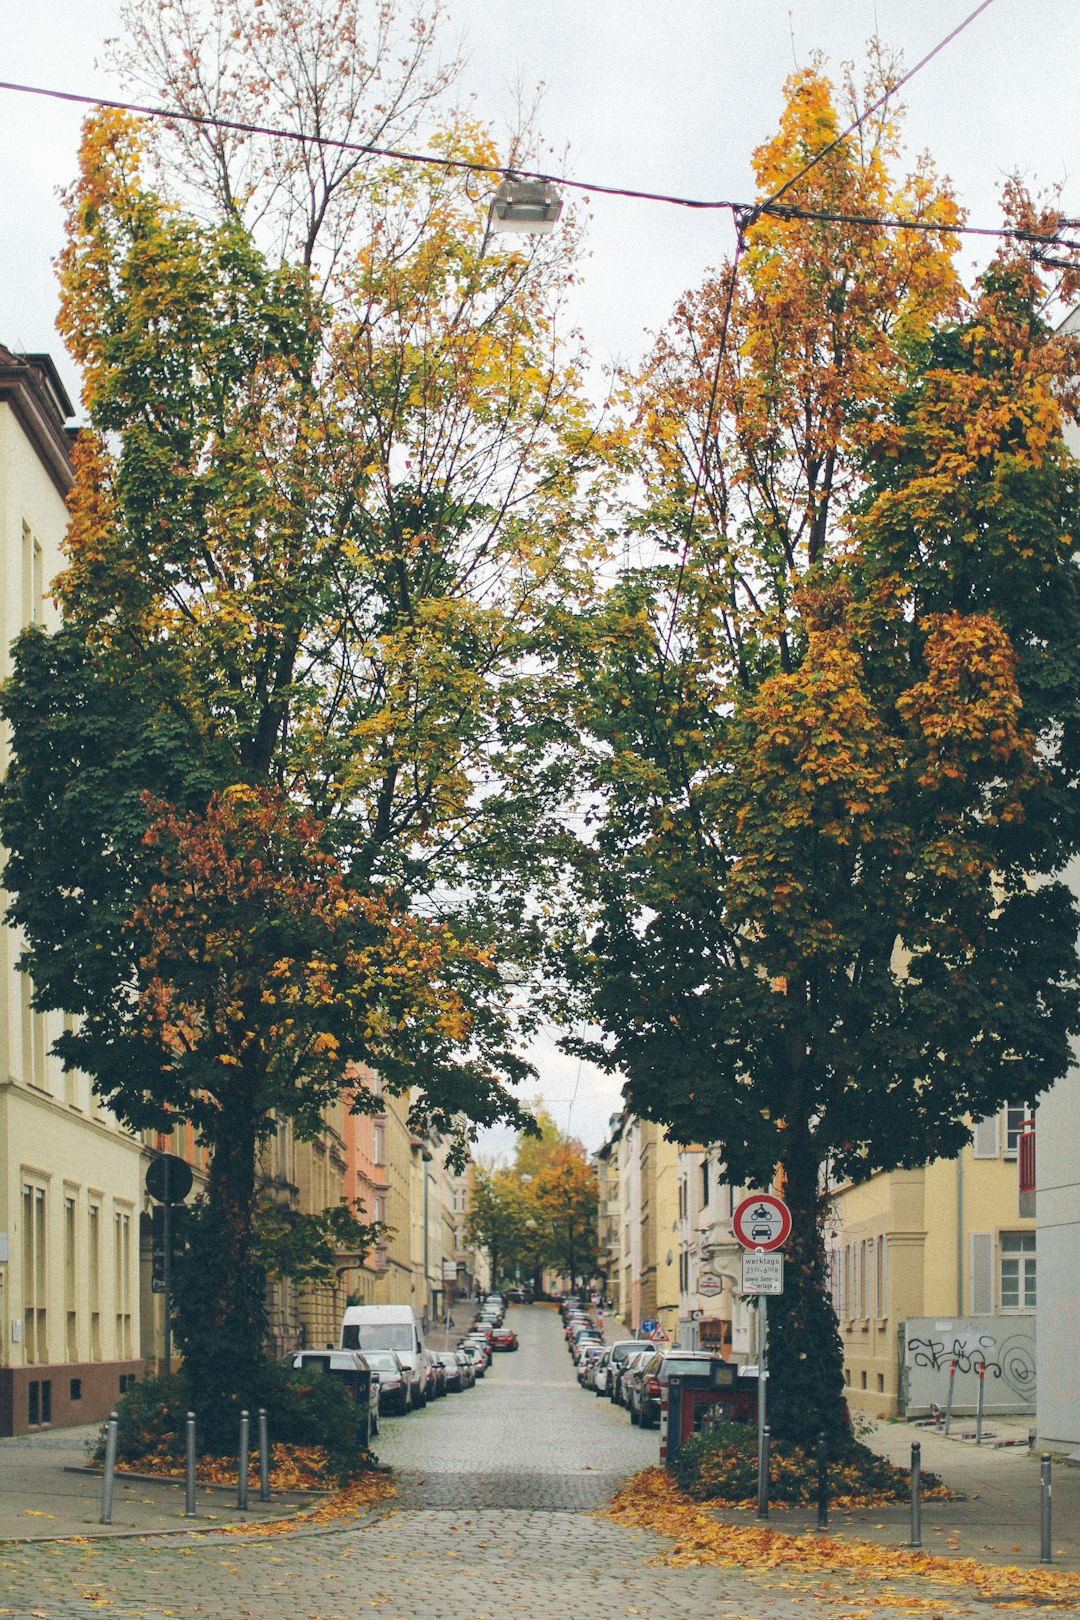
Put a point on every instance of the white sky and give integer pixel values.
(669, 95)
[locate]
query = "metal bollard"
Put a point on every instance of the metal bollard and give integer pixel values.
(916, 1495)
(949, 1396)
(1045, 1509)
(242, 1462)
(822, 1482)
(109, 1477)
(264, 1458)
(979, 1407)
(763, 1475)
(189, 1466)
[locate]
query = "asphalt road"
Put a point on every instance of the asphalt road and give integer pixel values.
(494, 1519)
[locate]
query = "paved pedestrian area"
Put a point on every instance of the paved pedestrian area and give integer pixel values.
(493, 1519)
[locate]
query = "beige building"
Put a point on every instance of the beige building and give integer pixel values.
(639, 1222)
(936, 1264)
(70, 1178)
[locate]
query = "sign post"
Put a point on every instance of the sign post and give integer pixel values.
(168, 1179)
(761, 1224)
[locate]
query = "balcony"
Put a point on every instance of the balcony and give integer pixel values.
(1026, 1161)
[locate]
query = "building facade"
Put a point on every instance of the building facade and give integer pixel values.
(70, 1177)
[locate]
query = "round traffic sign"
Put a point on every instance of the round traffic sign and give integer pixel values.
(168, 1178)
(762, 1222)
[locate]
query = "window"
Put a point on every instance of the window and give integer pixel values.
(378, 1144)
(1017, 1271)
(93, 1276)
(70, 1279)
(122, 1281)
(33, 578)
(34, 1278)
(1014, 1127)
(704, 1183)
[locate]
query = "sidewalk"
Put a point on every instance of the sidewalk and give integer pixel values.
(45, 1494)
(997, 1519)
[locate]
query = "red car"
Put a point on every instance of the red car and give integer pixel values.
(504, 1339)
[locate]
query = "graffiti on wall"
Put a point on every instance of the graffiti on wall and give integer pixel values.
(1002, 1346)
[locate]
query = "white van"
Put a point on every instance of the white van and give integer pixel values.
(392, 1327)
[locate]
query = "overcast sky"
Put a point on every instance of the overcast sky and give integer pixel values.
(670, 95)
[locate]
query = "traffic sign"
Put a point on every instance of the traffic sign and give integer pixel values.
(762, 1222)
(168, 1178)
(762, 1273)
(649, 1326)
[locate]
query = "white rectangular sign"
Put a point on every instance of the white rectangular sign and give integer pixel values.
(762, 1273)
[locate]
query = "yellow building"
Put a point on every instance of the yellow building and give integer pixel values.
(70, 1178)
(932, 1265)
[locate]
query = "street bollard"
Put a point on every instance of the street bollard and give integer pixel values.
(979, 1407)
(189, 1466)
(1045, 1507)
(109, 1477)
(822, 1482)
(916, 1495)
(264, 1458)
(949, 1396)
(242, 1463)
(763, 1475)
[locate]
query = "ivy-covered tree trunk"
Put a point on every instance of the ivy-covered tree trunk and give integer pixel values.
(805, 1352)
(221, 1293)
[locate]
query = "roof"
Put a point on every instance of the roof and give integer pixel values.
(30, 384)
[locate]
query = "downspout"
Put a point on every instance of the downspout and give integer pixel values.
(960, 1233)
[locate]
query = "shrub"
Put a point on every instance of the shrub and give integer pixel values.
(720, 1464)
(303, 1409)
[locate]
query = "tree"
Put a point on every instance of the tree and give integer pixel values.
(289, 808)
(499, 1213)
(566, 1197)
(835, 723)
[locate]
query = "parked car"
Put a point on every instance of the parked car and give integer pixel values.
(453, 1373)
(468, 1368)
(477, 1356)
(620, 1350)
(395, 1388)
(350, 1368)
(628, 1367)
(590, 1355)
(644, 1390)
(601, 1371)
(504, 1339)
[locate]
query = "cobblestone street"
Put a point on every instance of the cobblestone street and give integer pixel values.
(492, 1519)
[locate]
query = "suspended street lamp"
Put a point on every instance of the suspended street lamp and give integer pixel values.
(525, 206)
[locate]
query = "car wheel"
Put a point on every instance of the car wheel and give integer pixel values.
(646, 1421)
(635, 1420)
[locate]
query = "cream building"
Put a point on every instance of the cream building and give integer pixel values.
(70, 1178)
(936, 1264)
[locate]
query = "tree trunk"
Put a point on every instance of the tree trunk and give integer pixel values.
(221, 1298)
(806, 1354)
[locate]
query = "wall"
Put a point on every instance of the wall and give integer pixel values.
(1004, 1344)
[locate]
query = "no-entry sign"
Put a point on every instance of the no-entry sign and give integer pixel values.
(762, 1222)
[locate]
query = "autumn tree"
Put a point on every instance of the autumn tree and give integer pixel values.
(835, 722)
(280, 785)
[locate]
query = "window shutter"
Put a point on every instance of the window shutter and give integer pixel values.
(871, 1278)
(982, 1273)
(985, 1140)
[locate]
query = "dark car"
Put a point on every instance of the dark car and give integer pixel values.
(451, 1369)
(643, 1389)
(395, 1388)
(350, 1368)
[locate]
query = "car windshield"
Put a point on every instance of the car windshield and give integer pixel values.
(378, 1336)
(383, 1359)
